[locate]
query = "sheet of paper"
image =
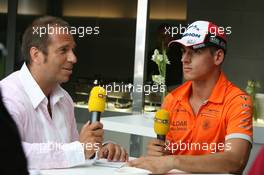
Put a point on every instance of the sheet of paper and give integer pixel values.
(106, 163)
(131, 171)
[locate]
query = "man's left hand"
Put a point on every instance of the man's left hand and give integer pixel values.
(113, 152)
(157, 165)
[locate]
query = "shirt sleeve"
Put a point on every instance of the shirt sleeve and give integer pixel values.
(54, 155)
(239, 118)
(46, 155)
(167, 102)
(15, 110)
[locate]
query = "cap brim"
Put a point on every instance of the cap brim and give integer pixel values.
(185, 42)
(177, 42)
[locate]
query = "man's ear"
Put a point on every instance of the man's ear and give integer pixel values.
(219, 57)
(36, 55)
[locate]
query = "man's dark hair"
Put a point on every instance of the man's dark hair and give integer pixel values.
(213, 49)
(31, 38)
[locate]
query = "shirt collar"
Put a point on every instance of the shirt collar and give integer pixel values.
(217, 95)
(185, 91)
(33, 90)
(56, 95)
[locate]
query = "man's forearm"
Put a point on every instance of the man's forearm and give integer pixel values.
(53, 155)
(213, 163)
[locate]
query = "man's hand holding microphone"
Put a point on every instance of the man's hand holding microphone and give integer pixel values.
(91, 135)
(158, 159)
(156, 147)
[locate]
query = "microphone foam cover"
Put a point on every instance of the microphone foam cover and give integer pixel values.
(97, 99)
(161, 122)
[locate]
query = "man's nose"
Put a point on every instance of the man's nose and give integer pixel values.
(72, 58)
(186, 57)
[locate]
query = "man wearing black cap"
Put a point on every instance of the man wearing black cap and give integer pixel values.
(210, 118)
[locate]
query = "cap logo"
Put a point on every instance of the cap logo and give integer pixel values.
(198, 46)
(192, 35)
(193, 26)
(191, 41)
(214, 40)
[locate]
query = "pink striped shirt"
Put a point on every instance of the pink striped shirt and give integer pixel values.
(48, 142)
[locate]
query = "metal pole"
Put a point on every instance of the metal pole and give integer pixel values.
(11, 36)
(139, 64)
(139, 69)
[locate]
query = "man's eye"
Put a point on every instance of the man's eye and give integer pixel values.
(183, 50)
(63, 50)
(198, 51)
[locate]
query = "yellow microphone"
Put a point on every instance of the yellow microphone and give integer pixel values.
(96, 103)
(162, 124)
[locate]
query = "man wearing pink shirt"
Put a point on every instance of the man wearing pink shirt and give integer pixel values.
(42, 110)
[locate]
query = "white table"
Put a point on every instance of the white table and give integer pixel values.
(82, 170)
(136, 125)
(130, 124)
(92, 169)
(100, 167)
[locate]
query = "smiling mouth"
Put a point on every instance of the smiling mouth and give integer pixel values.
(187, 68)
(68, 69)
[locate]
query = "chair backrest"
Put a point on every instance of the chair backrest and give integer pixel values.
(257, 167)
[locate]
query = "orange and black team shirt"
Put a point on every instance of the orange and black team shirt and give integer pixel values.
(225, 115)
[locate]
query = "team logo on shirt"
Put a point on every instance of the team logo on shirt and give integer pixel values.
(246, 106)
(206, 124)
(210, 112)
(180, 110)
(244, 97)
(179, 125)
